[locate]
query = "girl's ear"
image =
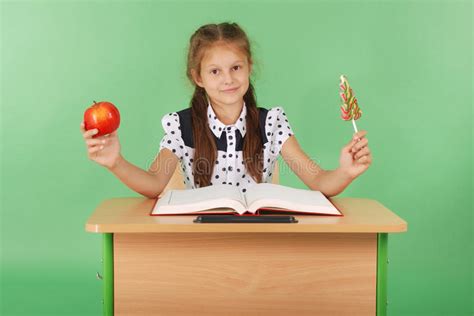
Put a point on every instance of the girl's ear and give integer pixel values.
(196, 78)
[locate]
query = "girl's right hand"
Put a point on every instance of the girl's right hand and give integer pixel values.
(105, 150)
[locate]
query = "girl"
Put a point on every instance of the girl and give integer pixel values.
(223, 137)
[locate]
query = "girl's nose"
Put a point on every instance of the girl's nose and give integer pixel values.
(228, 79)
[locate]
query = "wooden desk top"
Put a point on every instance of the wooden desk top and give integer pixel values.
(131, 215)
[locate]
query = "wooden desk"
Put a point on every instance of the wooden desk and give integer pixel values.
(168, 265)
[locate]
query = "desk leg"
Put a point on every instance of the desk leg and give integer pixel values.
(382, 261)
(108, 261)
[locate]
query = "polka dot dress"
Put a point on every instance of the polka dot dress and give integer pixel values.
(229, 169)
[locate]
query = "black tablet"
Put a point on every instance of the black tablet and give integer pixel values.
(245, 219)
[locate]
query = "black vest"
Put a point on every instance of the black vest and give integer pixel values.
(187, 130)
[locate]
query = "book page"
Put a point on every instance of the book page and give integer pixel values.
(282, 197)
(194, 200)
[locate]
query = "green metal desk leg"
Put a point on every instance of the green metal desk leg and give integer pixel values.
(108, 259)
(382, 260)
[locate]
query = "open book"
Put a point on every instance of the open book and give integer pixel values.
(260, 198)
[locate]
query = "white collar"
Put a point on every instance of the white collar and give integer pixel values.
(217, 127)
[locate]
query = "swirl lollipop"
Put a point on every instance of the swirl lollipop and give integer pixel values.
(349, 109)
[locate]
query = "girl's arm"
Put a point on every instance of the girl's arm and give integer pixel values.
(105, 150)
(148, 183)
(329, 182)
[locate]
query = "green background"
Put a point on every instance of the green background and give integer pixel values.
(410, 64)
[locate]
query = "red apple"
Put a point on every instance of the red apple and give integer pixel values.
(104, 116)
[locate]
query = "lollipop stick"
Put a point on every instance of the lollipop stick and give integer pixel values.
(355, 126)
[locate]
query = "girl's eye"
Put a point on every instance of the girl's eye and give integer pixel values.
(214, 71)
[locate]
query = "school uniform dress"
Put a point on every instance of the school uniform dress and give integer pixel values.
(228, 169)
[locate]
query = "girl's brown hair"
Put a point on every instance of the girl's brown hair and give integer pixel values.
(205, 149)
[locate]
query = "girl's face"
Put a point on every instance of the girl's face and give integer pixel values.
(224, 75)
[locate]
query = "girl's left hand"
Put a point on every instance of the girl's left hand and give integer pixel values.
(355, 157)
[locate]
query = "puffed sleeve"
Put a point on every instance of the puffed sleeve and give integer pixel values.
(172, 138)
(279, 128)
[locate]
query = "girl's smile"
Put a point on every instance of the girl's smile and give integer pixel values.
(230, 90)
